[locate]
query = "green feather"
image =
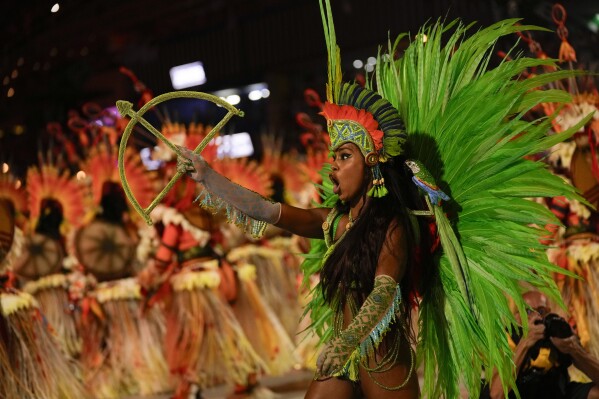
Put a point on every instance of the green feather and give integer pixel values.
(334, 57)
(466, 123)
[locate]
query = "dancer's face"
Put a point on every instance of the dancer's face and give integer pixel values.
(348, 170)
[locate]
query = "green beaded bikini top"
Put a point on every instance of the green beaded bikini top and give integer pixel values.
(329, 229)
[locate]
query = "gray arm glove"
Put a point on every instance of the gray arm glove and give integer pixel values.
(222, 194)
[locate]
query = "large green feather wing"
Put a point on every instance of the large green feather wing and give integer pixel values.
(467, 124)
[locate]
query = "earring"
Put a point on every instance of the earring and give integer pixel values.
(378, 189)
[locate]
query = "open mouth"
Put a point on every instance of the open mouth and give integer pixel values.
(335, 183)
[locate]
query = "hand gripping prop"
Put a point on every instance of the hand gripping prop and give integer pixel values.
(126, 109)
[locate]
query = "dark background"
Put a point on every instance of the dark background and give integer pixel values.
(65, 59)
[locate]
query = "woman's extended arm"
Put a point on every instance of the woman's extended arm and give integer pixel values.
(304, 222)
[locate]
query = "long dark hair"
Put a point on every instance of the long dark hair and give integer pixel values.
(349, 270)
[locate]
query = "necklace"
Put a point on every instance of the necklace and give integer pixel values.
(350, 223)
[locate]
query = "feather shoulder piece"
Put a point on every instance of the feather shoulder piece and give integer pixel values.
(465, 123)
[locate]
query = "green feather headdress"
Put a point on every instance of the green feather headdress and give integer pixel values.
(355, 114)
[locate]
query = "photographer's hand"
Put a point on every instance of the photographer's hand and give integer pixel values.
(581, 358)
(536, 331)
(568, 346)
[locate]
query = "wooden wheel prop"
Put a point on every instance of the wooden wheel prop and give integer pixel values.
(126, 109)
(105, 250)
(42, 256)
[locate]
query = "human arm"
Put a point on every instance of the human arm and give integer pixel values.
(536, 331)
(304, 222)
(580, 358)
(368, 327)
(149, 276)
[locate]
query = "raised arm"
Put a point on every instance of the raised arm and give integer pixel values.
(303, 222)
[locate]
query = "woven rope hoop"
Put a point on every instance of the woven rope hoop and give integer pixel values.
(126, 109)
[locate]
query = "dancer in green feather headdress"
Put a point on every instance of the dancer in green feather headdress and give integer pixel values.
(440, 140)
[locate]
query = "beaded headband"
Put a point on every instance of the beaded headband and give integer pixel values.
(358, 115)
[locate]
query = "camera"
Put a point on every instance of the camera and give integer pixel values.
(556, 326)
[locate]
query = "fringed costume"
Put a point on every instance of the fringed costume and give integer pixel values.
(53, 196)
(33, 363)
(131, 345)
(123, 342)
(205, 343)
(261, 325)
(276, 280)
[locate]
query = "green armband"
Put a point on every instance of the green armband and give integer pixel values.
(376, 314)
(343, 354)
